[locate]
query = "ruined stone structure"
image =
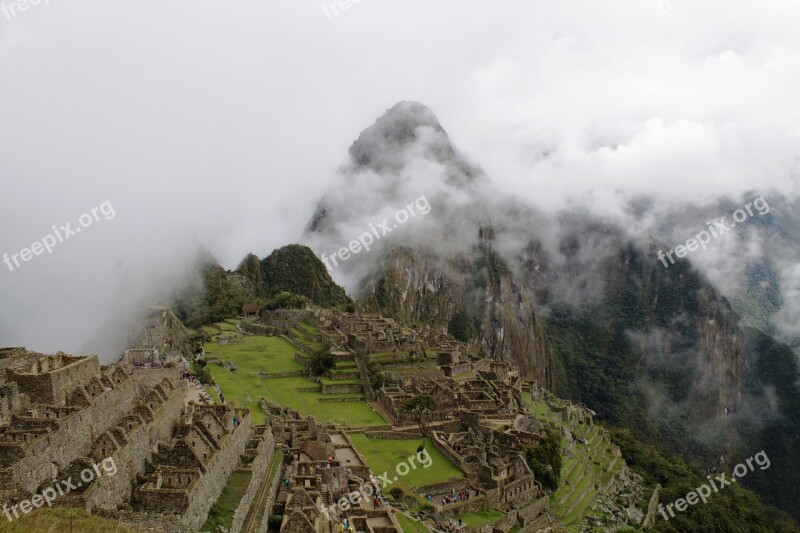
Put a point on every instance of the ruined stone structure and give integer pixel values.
(481, 423)
(186, 477)
(322, 468)
(141, 356)
(61, 415)
(129, 444)
(69, 402)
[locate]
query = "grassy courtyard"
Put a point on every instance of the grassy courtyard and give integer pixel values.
(258, 355)
(385, 454)
(355, 414)
(253, 356)
(479, 518)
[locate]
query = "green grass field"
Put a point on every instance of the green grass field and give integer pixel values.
(409, 525)
(309, 328)
(385, 454)
(283, 391)
(258, 354)
(253, 355)
(479, 518)
(299, 335)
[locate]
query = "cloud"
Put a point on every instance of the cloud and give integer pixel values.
(221, 125)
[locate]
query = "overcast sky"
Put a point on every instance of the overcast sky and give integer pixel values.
(222, 123)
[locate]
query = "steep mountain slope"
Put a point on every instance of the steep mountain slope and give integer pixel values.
(289, 277)
(573, 302)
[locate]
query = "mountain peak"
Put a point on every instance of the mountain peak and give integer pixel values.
(397, 129)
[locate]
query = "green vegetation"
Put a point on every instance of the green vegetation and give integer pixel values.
(59, 520)
(284, 391)
(320, 362)
(302, 337)
(308, 328)
(257, 356)
(420, 406)
(254, 356)
(478, 518)
(213, 299)
(761, 298)
(733, 509)
(409, 525)
(289, 278)
(263, 354)
(775, 370)
(295, 269)
(385, 454)
(461, 327)
(545, 458)
(221, 513)
(284, 300)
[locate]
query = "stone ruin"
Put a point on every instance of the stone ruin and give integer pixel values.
(62, 414)
(321, 467)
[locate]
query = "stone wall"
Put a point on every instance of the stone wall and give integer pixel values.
(361, 364)
(335, 399)
(108, 492)
(274, 375)
(451, 454)
(298, 345)
(11, 401)
(42, 459)
(455, 510)
(652, 508)
(210, 486)
(258, 329)
(342, 389)
(274, 484)
(447, 487)
(50, 380)
(143, 522)
(265, 453)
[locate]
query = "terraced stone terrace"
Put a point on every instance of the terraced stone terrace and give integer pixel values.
(590, 462)
(271, 367)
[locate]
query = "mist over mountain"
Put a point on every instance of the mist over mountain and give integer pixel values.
(578, 301)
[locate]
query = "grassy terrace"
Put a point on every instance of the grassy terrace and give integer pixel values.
(258, 355)
(284, 392)
(221, 514)
(409, 525)
(329, 381)
(309, 328)
(341, 367)
(478, 518)
(299, 334)
(385, 454)
(253, 356)
(56, 520)
(577, 490)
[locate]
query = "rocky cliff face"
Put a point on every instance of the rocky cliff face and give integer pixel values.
(418, 288)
